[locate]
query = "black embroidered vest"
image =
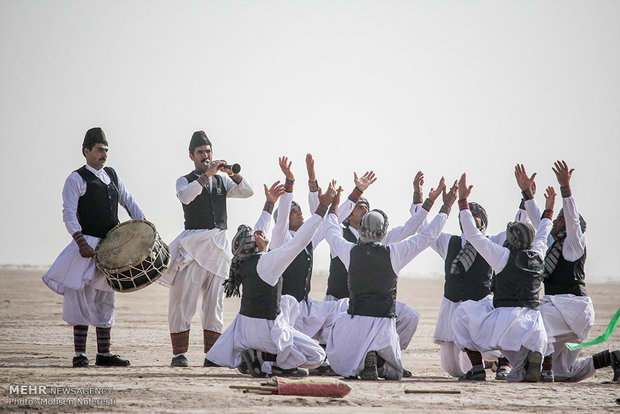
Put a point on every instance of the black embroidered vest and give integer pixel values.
(296, 277)
(337, 282)
(97, 210)
(474, 284)
(519, 283)
(372, 281)
(208, 209)
(258, 299)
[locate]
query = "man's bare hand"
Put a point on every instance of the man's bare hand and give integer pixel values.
(310, 167)
(274, 192)
(418, 182)
(86, 251)
(523, 180)
(550, 198)
(450, 197)
(464, 190)
(285, 166)
(326, 199)
(562, 173)
(364, 181)
(434, 193)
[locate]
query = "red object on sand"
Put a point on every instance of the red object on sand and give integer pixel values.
(312, 387)
(309, 387)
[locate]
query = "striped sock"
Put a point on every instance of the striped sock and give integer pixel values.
(503, 362)
(210, 338)
(180, 342)
(548, 363)
(80, 333)
(602, 359)
(103, 340)
(475, 357)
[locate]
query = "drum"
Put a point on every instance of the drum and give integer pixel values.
(132, 255)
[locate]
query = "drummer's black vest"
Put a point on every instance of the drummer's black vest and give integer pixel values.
(568, 277)
(474, 284)
(372, 281)
(208, 209)
(518, 284)
(97, 210)
(259, 299)
(337, 283)
(296, 277)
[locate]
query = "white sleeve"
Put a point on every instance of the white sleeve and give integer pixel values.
(233, 190)
(410, 227)
(187, 192)
(499, 238)
(496, 256)
(126, 200)
(345, 209)
(403, 252)
(271, 265)
(264, 222)
(542, 236)
(441, 245)
(533, 211)
(339, 247)
(74, 188)
(575, 243)
(313, 200)
(280, 233)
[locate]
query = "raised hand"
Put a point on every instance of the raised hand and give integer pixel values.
(336, 200)
(285, 166)
(549, 198)
(274, 192)
(434, 193)
(562, 173)
(365, 180)
(464, 190)
(450, 197)
(418, 182)
(310, 167)
(523, 181)
(326, 199)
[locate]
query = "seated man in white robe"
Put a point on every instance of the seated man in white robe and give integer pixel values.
(566, 309)
(364, 340)
(264, 323)
(512, 324)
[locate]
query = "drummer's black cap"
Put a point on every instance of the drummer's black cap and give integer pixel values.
(93, 137)
(199, 138)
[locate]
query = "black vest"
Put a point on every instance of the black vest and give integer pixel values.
(372, 281)
(97, 210)
(474, 284)
(208, 209)
(296, 277)
(518, 284)
(568, 277)
(259, 299)
(337, 282)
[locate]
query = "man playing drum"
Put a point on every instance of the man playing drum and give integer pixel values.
(91, 196)
(201, 253)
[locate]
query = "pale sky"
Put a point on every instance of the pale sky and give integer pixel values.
(390, 86)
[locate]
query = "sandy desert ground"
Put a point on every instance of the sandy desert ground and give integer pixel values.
(36, 348)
